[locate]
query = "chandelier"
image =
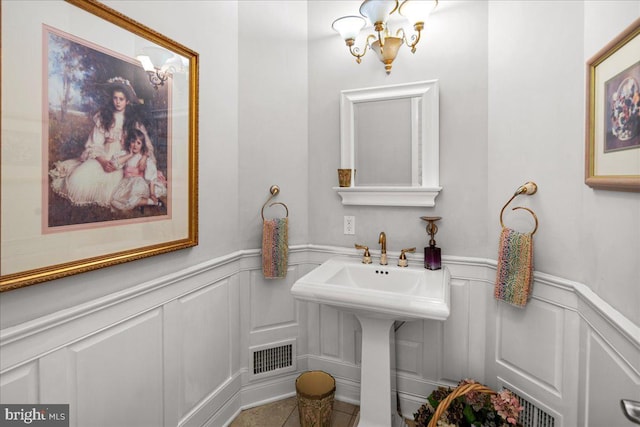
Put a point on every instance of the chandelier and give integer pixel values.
(160, 64)
(383, 43)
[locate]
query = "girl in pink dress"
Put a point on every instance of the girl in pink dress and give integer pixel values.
(141, 184)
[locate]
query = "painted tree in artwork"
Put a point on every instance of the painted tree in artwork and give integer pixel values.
(66, 71)
(74, 71)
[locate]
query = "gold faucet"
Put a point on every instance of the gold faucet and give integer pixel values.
(382, 240)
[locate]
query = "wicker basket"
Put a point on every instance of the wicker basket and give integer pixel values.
(457, 392)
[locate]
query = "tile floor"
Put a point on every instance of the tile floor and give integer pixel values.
(284, 413)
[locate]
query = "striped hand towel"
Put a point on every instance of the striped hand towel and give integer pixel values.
(275, 248)
(515, 267)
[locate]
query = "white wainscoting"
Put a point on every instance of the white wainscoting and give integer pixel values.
(177, 351)
(158, 354)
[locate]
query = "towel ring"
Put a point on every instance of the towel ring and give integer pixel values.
(528, 188)
(276, 203)
(274, 190)
(530, 211)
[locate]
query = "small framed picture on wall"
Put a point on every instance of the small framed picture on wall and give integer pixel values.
(612, 160)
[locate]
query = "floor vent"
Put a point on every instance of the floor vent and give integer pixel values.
(273, 358)
(532, 416)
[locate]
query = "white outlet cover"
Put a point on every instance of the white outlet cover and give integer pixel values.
(349, 224)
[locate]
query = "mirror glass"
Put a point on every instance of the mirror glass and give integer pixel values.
(390, 136)
(383, 143)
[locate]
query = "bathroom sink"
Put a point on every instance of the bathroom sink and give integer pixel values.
(378, 296)
(390, 292)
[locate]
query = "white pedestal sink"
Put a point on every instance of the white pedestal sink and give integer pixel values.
(378, 296)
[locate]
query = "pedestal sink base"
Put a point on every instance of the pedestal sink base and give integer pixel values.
(375, 383)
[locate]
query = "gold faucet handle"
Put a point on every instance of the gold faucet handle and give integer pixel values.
(402, 261)
(366, 257)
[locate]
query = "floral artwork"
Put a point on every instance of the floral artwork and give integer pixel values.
(475, 408)
(623, 107)
(612, 137)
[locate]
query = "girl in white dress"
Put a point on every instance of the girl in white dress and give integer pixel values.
(92, 178)
(141, 184)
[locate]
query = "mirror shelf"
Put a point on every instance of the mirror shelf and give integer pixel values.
(390, 136)
(388, 196)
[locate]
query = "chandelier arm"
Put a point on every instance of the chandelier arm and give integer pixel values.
(380, 40)
(368, 42)
(157, 78)
(355, 51)
(415, 38)
(371, 36)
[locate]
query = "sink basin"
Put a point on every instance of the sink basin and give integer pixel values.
(378, 296)
(398, 293)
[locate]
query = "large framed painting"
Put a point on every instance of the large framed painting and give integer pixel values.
(612, 160)
(99, 141)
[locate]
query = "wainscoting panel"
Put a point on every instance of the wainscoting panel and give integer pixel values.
(529, 341)
(117, 374)
(433, 341)
(408, 356)
(57, 377)
(609, 379)
(351, 329)
(455, 345)
(20, 385)
(357, 344)
(537, 352)
(271, 301)
(330, 331)
(203, 342)
(409, 350)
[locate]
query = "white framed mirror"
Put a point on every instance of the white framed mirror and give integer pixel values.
(389, 135)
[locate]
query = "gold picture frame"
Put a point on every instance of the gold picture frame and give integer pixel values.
(612, 154)
(57, 217)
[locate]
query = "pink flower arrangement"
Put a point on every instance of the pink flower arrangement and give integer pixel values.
(507, 406)
(472, 409)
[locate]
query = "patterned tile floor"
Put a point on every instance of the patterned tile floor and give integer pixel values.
(284, 413)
